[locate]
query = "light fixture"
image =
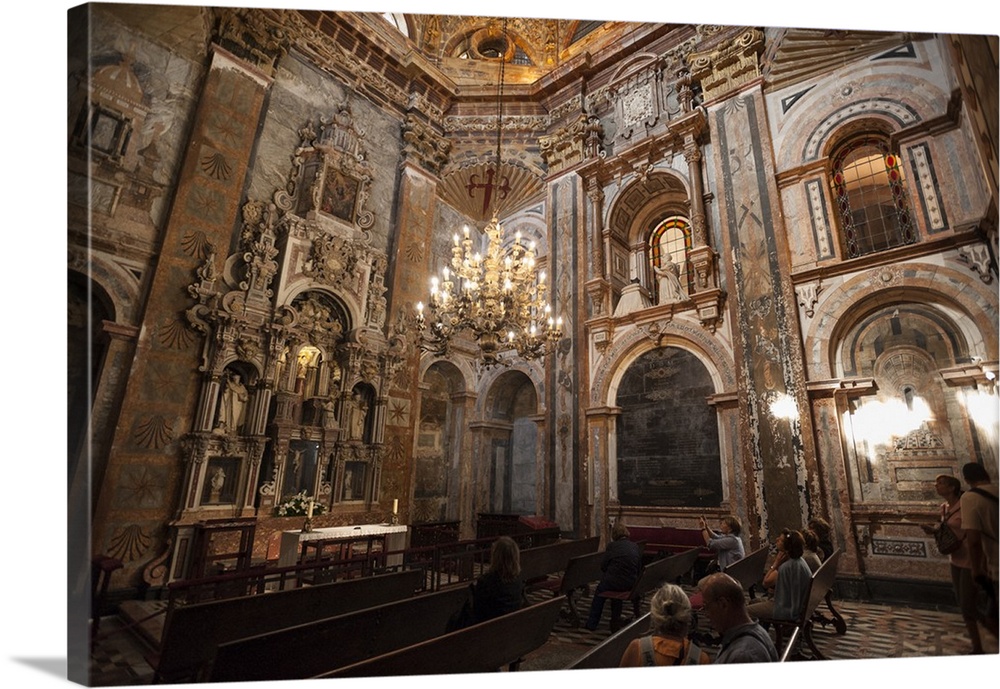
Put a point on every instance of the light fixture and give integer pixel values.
(497, 296)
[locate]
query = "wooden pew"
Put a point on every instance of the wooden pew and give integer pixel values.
(668, 569)
(192, 632)
(801, 627)
(748, 571)
(484, 647)
(670, 540)
(580, 571)
(310, 649)
(609, 652)
(538, 563)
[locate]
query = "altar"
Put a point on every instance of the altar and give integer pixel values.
(395, 539)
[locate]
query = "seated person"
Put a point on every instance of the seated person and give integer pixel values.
(743, 640)
(811, 553)
(789, 577)
(668, 643)
(620, 566)
(726, 542)
(824, 532)
(500, 589)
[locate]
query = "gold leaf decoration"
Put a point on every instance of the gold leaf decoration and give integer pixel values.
(154, 432)
(176, 335)
(129, 543)
(196, 244)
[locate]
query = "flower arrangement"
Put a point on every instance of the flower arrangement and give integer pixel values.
(298, 506)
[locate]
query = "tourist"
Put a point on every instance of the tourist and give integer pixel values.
(743, 639)
(620, 567)
(500, 589)
(667, 644)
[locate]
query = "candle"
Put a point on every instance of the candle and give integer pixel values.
(309, 512)
(395, 505)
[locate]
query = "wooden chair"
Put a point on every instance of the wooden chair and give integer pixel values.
(579, 573)
(668, 569)
(748, 571)
(801, 628)
(609, 652)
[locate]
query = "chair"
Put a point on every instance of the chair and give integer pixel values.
(667, 569)
(748, 571)
(801, 628)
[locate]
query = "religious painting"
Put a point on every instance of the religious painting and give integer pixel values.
(340, 192)
(300, 468)
(219, 487)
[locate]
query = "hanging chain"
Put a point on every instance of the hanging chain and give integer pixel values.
(503, 60)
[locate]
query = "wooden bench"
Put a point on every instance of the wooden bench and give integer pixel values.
(609, 652)
(670, 540)
(800, 629)
(538, 563)
(580, 571)
(192, 632)
(310, 649)
(668, 569)
(485, 647)
(748, 571)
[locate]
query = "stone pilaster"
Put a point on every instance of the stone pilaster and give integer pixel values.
(161, 397)
(780, 450)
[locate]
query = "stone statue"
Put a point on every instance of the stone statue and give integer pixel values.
(328, 416)
(232, 411)
(218, 480)
(668, 276)
(355, 411)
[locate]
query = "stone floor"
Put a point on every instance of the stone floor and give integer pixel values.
(873, 631)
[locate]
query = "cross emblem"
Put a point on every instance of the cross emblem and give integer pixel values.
(502, 186)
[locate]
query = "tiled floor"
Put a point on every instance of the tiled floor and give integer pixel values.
(873, 631)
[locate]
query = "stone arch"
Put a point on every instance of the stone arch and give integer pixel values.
(971, 311)
(119, 287)
(643, 202)
(678, 332)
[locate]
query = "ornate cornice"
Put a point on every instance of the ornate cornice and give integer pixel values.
(728, 67)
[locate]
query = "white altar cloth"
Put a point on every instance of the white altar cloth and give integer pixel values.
(291, 540)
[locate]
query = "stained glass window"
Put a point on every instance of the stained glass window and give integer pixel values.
(871, 197)
(672, 236)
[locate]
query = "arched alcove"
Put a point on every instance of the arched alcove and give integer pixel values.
(438, 438)
(512, 441)
(667, 433)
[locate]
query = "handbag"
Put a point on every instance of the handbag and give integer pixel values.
(946, 540)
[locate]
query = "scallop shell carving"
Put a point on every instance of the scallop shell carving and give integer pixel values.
(153, 433)
(129, 543)
(215, 165)
(176, 335)
(196, 244)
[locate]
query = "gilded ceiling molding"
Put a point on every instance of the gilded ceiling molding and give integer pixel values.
(727, 68)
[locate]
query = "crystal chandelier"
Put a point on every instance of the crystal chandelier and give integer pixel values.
(498, 298)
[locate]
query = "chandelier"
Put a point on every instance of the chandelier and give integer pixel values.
(496, 298)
